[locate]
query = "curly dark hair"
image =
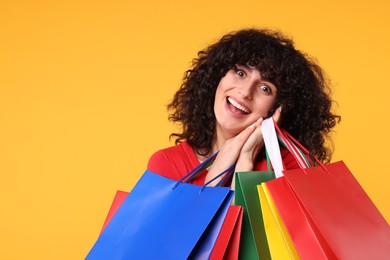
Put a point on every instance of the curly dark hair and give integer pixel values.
(303, 91)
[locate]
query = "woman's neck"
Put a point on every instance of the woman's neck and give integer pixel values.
(218, 143)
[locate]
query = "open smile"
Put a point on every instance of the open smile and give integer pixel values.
(236, 107)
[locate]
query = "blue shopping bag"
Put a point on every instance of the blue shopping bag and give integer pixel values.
(165, 219)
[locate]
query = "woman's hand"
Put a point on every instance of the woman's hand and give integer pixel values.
(229, 153)
(253, 146)
(241, 149)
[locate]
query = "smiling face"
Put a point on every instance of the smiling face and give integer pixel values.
(242, 97)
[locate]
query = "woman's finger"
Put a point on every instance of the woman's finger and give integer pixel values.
(277, 114)
(230, 151)
(242, 137)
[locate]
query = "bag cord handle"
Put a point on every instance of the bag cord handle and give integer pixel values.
(201, 167)
(299, 156)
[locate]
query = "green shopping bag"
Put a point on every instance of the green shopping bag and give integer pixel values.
(253, 244)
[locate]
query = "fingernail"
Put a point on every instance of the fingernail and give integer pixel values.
(260, 119)
(252, 125)
(280, 109)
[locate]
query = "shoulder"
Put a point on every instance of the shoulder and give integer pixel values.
(173, 162)
(170, 154)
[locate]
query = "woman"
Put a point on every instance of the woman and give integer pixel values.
(231, 88)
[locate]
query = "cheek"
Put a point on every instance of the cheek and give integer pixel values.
(265, 107)
(219, 96)
(219, 93)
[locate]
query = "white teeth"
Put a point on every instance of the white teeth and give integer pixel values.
(238, 106)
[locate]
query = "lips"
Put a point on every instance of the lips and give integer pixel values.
(237, 107)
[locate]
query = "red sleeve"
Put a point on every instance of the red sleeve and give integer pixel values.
(288, 160)
(159, 163)
(174, 162)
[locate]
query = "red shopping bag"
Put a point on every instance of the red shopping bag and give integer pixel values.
(342, 211)
(308, 241)
(327, 213)
(120, 196)
(289, 232)
(345, 221)
(228, 241)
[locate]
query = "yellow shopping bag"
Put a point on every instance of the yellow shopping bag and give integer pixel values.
(279, 240)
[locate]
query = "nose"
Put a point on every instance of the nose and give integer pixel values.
(245, 89)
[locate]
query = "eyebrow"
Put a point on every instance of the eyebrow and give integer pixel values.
(250, 68)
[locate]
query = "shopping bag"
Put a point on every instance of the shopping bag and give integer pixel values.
(279, 240)
(164, 219)
(120, 196)
(339, 210)
(288, 231)
(227, 244)
(342, 211)
(228, 241)
(308, 241)
(253, 244)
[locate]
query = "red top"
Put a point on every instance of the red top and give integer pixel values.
(176, 161)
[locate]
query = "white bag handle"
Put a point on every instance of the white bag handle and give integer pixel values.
(272, 146)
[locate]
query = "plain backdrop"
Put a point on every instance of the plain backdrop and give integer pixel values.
(84, 87)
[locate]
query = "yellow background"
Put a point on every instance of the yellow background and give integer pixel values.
(84, 85)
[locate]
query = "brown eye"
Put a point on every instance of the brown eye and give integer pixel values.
(240, 73)
(265, 88)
